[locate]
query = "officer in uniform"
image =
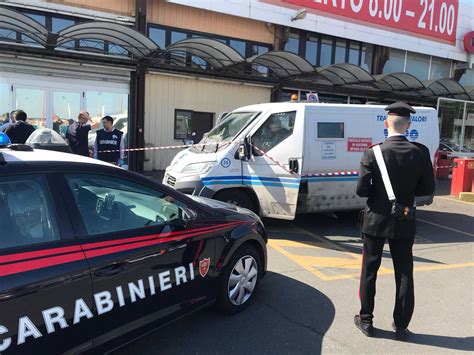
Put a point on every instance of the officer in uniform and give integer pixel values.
(109, 145)
(411, 174)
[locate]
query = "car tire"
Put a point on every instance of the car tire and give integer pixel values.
(237, 198)
(239, 280)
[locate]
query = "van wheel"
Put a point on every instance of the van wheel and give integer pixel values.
(237, 198)
(239, 280)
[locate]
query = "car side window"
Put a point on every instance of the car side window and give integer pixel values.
(109, 204)
(277, 128)
(26, 211)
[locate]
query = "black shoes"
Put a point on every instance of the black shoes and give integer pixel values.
(400, 333)
(366, 329)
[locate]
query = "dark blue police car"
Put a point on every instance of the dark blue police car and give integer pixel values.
(90, 253)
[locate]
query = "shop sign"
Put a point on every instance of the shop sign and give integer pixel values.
(358, 144)
(432, 19)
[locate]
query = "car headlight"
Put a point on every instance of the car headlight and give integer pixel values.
(198, 168)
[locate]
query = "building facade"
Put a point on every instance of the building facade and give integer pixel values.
(209, 57)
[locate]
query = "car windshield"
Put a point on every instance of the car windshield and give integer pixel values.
(227, 129)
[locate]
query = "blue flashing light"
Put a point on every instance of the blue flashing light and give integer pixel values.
(4, 139)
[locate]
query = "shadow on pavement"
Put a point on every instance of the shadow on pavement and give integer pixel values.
(439, 341)
(286, 316)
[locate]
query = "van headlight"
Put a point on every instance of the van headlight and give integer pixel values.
(198, 168)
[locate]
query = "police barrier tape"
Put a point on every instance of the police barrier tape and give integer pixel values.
(221, 144)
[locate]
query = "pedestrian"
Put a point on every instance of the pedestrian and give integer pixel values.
(410, 174)
(78, 132)
(109, 143)
(8, 122)
(19, 131)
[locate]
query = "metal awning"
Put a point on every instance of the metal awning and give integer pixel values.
(217, 54)
(16, 21)
(283, 64)
(447, 88)
(398, 82)
(133, 41)
(346, 74)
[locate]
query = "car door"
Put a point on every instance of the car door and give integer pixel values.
(44, 276)
(150, 254)
(277, 148)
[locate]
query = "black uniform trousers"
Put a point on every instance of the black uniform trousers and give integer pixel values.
(402, 257)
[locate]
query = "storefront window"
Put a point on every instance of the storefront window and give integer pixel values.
(312, 49)
(158, 35)
(468, 78)
(32, 101)
(418, 65)
(451, 117)
(239, 46)
(396, 62)
(191, 124)
(100, 104)
(4, 102)
(7, 34)
(340, 56)
(293, 43)
(367, 56)
(468, 143)
(66, 106)
(326, 52)
(58, 24)
(256, 49)
(354, 50)
(440, 68)
(177, 36)
(38, 18)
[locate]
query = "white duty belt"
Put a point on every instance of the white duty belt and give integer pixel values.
(383, 171)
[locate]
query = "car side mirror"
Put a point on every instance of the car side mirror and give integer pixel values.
(244, 149)
(186, 219)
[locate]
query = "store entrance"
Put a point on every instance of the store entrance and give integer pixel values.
(456, 120)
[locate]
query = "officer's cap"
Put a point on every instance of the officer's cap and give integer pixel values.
(400, 108)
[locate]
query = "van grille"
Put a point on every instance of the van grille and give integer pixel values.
(170, 180)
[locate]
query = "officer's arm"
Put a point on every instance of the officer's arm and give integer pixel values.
(364, 184)
(426, 184)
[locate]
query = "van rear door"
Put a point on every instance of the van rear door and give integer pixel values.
(277, 147)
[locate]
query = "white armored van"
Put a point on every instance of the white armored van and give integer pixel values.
(283, 159)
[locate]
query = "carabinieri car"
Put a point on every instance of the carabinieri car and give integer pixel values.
(90, 252)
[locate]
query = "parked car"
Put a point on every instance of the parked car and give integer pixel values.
(91, 253)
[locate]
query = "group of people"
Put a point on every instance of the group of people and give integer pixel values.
(108, 146)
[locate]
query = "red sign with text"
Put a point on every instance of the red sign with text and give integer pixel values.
(358, 144)
(433, 19)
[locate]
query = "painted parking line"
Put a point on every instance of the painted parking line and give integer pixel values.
(344, 266)
(444, 227)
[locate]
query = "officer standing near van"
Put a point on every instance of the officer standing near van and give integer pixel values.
(410, 173)
(109, 144)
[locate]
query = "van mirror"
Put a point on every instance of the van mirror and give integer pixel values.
(244, 149)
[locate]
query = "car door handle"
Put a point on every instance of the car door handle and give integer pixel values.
(110, 270)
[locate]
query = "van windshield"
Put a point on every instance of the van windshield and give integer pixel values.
(227, 129)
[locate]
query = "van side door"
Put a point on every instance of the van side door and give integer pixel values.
(273, 168)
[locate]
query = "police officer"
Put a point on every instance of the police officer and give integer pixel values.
(411, 174)
(109, 145)
(19, 131)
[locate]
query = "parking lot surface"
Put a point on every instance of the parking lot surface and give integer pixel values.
(307, 301)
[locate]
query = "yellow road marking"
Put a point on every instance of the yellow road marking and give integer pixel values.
(448, 228)
(351, 261)
(453, 200)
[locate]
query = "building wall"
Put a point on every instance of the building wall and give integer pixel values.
(275, 12)
(165, 93)
(122, 7)
(168, 14)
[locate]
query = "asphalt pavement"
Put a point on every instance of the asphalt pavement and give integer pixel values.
(306, 302)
